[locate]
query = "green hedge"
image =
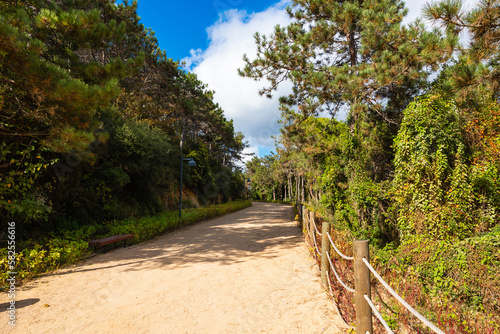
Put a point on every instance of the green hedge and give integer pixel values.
(49, 252)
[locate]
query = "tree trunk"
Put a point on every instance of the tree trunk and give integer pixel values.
(297, 188)
(353, 52)
(302, 190)
(290, 188)
(353, 55)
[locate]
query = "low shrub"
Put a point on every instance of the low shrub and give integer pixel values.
(454, 284)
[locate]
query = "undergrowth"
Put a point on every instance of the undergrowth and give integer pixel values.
(456, 285)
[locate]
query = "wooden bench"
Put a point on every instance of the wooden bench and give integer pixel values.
(110, 240)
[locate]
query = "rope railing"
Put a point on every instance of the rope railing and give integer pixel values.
(337, 275)
(337, 250)
(333, 298)
(308, 230)
(378, 315)
(314, 224)
(401, 300)
(361, 253)
(314, 238)
(316, 244)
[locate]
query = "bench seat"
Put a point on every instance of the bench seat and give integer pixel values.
(110, 240)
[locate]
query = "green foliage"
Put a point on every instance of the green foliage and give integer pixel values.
(430, 170)
(351, 53)
(264, 177)
(454, 277)
(436, 186)
(19, 196)
(35, 259)
(477, 65)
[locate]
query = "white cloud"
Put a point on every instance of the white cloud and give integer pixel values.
(250, 150)
(229, 38)
(414, 10)
(196, 56)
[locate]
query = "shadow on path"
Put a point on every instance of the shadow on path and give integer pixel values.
(19, 304)
(260, 231)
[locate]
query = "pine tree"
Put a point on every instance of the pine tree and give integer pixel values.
(347, 54)
(478, 63)
(355, 56)
(51, 92)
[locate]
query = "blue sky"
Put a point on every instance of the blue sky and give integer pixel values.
(181, 25)
(211, 37)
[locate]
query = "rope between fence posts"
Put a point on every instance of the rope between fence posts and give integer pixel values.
(402, 301)
(336, 275)
(314, 223)
(308, 231)
(333, 299)
(315, 244)
(314, 238)
(337, 250)
(378, 315)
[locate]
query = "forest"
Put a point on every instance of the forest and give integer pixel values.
(94, 120)
(92, 116)
(414, 167)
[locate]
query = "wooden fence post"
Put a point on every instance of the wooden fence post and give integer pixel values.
(304, 216)
(362, 287)
(301, 214)
(312, 215)
(325, 249)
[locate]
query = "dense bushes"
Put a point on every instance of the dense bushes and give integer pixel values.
(439, 189)
(431, 172)
(49, 252)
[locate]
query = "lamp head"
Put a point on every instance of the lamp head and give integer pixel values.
(192, 163)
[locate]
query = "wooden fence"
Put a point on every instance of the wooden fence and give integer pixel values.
(364, 307)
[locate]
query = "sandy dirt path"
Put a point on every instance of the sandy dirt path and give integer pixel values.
(246, 272)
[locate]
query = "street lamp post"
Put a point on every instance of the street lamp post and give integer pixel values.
(191, 163)
(246, 192)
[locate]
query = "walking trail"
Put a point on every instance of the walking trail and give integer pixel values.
(246, 272)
